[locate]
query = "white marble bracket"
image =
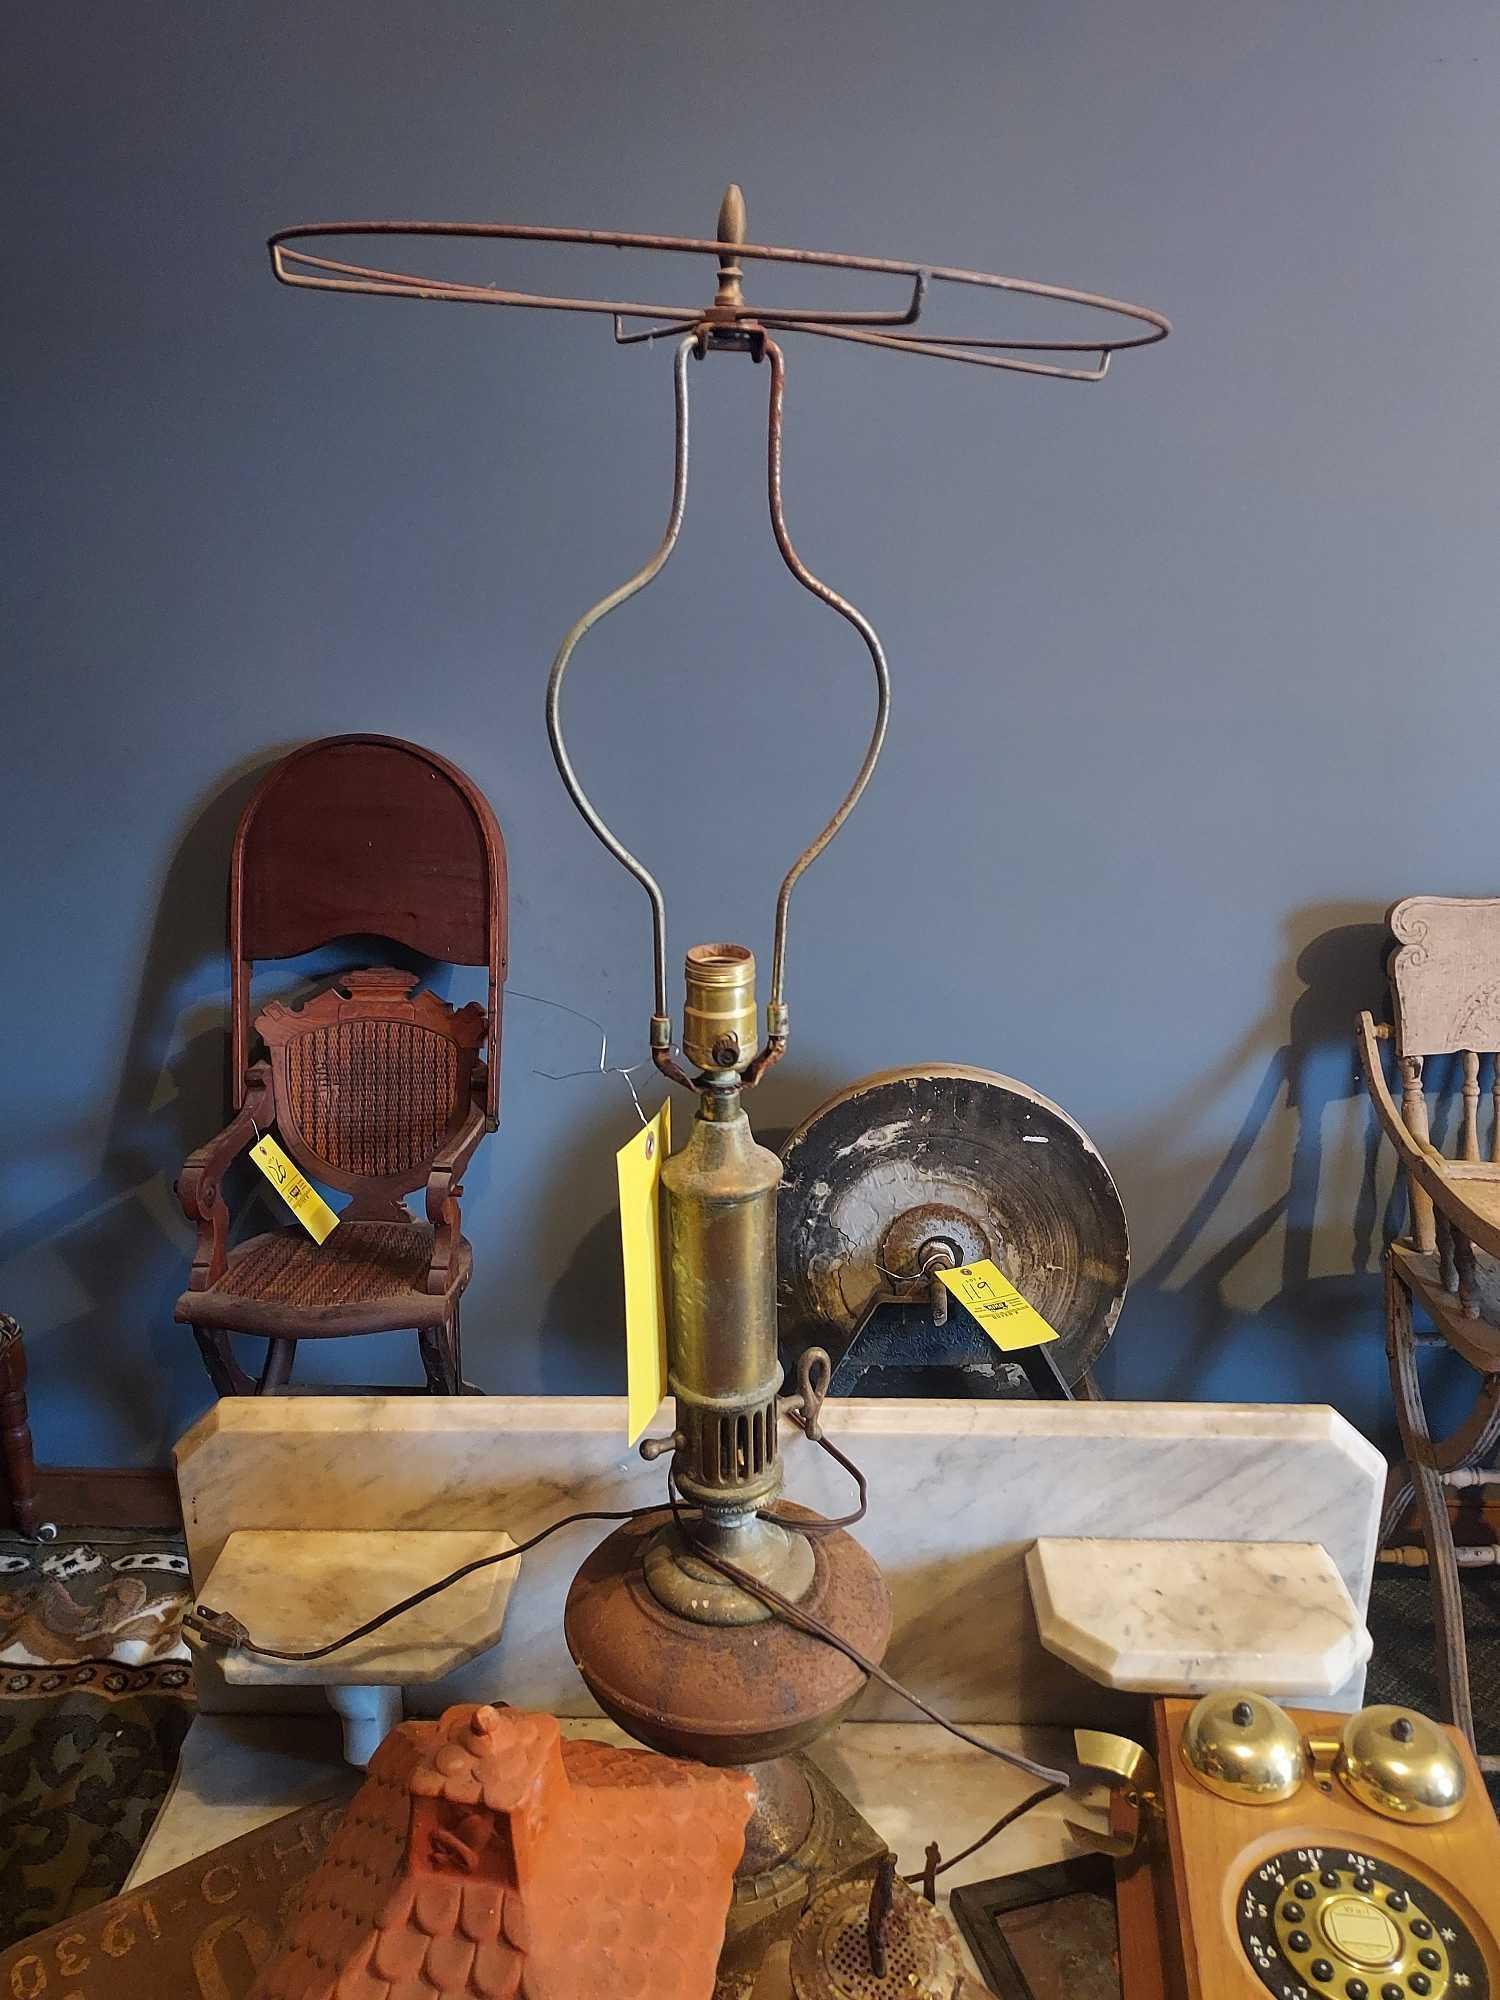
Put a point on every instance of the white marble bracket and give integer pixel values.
(1160, 1617)
(301, 1588)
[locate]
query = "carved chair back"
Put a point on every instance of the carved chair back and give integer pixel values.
(1445, 993)
(370, 1079)
(357, 836)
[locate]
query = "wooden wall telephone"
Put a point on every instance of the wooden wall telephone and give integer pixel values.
(1305, 1855)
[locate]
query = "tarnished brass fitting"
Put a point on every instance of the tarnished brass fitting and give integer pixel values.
(718, 1015)
(719, 1212)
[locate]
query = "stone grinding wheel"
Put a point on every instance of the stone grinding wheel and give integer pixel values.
(960, 1156)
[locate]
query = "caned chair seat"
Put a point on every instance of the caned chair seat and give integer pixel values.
(368, 1277)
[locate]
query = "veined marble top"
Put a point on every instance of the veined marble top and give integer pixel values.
(298, 1588)
(959, 1492)
(1185, 1617)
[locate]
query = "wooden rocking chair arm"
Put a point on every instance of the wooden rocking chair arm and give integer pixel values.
(197, 1184)
(444, 1186)
(451, 1162)
(1424, 1163)
(1367, 1035)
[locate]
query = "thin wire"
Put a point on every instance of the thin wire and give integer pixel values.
(371, 280)
(248, 1645)
(606, 1068)
(793, 1614)
(813, 1526)
(827, 595)
(645, 575)
(1006, 1819)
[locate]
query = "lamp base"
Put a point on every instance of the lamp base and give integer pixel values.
(803, 1838)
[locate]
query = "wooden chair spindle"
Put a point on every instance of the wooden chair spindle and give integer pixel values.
(1469, 1142)
(1468, 1284)
(1414, 1117)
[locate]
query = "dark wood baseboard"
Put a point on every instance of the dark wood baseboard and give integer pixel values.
(99, 1496)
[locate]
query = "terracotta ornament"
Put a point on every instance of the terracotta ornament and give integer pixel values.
(483, 1856)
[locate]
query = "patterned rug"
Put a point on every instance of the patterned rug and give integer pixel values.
(113, 1599)
(96, 1690)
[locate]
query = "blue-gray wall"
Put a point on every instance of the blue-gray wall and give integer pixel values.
(1194, 671)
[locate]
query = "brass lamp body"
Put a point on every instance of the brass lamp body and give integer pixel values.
(678, 1653)
(719, 1231)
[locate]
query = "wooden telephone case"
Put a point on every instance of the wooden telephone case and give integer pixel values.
(1192, 1885)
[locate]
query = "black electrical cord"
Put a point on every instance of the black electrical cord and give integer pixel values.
(221, 1628)
(937, 1866)
(793, 1614)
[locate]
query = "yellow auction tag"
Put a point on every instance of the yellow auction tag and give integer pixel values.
(638, 1166)
(999, 1308)
(295, 1189)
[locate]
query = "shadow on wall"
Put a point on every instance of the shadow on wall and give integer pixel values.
(120, 1236)
(1243, 1320)
(1317, 1334)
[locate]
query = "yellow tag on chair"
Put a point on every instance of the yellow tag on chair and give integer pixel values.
(989, 1295)
(638, 1166)
(295, 1189)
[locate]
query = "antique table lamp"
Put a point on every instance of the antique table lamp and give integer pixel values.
(737, 1632)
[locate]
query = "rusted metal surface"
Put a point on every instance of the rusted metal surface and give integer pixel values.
(309, 270)
(919, 1957)
(840, 1846)
(908, 1168)
(727, 1694)
(877, 1916)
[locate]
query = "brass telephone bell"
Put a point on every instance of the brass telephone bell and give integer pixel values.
(1400, 1764)
(1242, 1746)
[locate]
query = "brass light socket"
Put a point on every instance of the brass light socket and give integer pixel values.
(718, 1015)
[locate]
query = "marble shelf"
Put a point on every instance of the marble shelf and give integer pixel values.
(1185, 1617)
(959, 1491)
(299, 1588)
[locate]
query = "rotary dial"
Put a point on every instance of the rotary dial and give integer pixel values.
(1325, 1923)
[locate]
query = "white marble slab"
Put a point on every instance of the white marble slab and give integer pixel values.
(958, 1493)
(296, 1589)
(237, 1772)
(1159, 1617)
